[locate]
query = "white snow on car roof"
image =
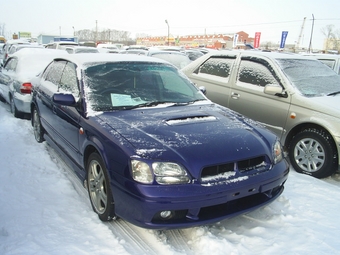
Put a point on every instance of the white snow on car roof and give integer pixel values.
(83, 59)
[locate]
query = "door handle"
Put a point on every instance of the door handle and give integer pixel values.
(235, 95)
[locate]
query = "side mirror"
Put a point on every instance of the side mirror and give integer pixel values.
(275, 90)
(64, 99)
(203, 90)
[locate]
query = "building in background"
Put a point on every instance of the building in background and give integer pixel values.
(216, 41)
(45, 39)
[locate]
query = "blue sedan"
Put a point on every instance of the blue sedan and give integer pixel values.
(149, 146)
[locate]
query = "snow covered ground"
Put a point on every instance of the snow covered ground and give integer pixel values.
(45, 210)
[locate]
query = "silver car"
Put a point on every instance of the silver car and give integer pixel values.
(331, 60)
(297, 97)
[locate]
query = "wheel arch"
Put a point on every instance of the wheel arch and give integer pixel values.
(94, 145)
(297, 129)
(87, 152)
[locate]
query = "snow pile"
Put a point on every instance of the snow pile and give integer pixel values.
(43, 212)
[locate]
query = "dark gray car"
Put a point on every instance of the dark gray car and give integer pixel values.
(297, 97)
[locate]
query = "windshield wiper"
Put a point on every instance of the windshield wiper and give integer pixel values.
(149, 104)
(333, 93)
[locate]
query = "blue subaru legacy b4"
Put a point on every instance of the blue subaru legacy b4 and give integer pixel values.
(149, 146)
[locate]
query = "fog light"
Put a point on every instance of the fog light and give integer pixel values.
(165, 214)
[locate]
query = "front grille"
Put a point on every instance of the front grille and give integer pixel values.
(252, 164)
(216, 170)
(257, 163)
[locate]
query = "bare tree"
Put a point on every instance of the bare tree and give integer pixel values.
(332, 37)
(106, 35)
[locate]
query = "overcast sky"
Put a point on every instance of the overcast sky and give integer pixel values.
(185, 17)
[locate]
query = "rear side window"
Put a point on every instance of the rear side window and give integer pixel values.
(219, 67)
(11, 64)
(54, 71)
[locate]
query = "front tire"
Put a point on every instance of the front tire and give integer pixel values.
(37, 128)
(312, 152)
(99, 188)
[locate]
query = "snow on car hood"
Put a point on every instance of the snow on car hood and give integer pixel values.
(206, 133)
(328, 105)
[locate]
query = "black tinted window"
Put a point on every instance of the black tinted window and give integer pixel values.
(255, 73)
(217, 66)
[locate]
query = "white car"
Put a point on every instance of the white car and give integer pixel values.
(331, 60)
(60, 45)
(9, 44)
(16, 75)
(80, 49)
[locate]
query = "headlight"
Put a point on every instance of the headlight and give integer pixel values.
(170, 173)
(141, 172)
(277, 152)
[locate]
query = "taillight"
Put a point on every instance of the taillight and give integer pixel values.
(26, 88)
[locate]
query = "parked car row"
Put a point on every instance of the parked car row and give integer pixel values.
(142, 138)
(8, 45)
(16, 75)
(180, 147)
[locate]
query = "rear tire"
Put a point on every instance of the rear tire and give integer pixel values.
(37, 128)
(99, 189)
(14, 110)
(312, 152)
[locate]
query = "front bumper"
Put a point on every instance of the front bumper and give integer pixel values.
(193, 204)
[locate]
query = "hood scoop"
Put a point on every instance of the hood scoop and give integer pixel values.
(190, 120)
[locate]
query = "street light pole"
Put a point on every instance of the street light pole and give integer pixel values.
(74, 32)
(311, 36)
(166, 21)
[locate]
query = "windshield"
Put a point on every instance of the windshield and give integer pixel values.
(117, 86)
(311, 77)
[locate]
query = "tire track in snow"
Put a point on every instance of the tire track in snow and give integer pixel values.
(134, 244)
(145, 241)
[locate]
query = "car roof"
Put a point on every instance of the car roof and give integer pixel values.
(38, 51)
(27, 46)
(83, 59)
(322, 56)
(170, 52)
(17, 41)
(265, 54)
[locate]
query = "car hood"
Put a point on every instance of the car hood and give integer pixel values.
(325, 104)
(208, 134)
